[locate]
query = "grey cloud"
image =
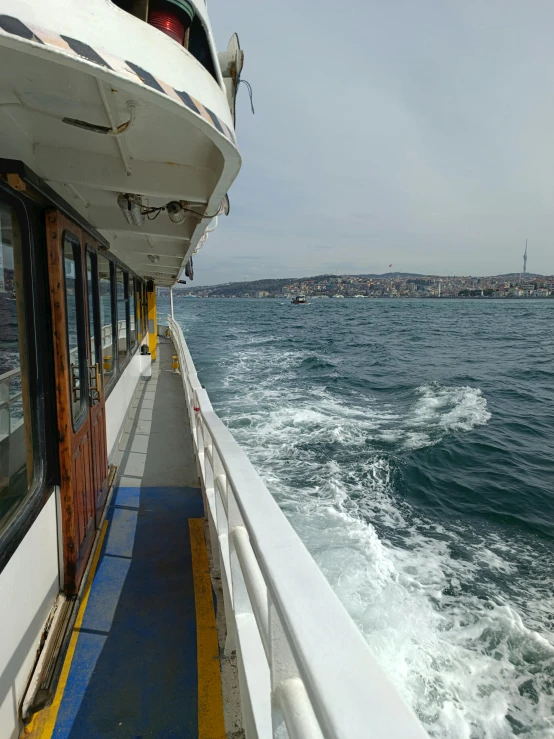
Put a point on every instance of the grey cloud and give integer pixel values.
(417, 133)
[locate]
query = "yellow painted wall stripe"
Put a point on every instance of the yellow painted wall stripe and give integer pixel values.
(211, 724)
(42, 724)
(152, 324)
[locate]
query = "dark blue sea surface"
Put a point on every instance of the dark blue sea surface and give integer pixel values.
(410, 443)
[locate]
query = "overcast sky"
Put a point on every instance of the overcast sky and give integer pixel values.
(413, 132)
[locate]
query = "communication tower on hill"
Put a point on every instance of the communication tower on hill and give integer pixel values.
(525, 260)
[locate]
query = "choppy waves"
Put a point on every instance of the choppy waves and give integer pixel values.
(450, 408)
(436, 411)
(466, 662)
(457, 608)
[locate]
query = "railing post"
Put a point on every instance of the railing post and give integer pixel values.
(237, 586)
(221, 524)
(281, 665)
(290, 703)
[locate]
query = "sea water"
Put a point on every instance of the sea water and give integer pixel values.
(410, 443)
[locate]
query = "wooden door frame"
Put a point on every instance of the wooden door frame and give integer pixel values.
(75, 553)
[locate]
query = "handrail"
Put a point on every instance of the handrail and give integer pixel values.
(7, 399)
(9, 374)
(302, 661)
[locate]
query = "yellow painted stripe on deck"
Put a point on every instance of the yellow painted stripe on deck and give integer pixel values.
(210, 702)
(42, 724)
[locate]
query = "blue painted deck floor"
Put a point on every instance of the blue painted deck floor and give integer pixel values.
(134, 672)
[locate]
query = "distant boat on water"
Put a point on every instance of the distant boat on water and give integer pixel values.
(300, 298)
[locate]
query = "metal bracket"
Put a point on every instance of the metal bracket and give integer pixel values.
(75, 383)
(94, 384)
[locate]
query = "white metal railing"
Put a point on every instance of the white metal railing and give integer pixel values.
(302, 662)
(8, 399)
(107, 335)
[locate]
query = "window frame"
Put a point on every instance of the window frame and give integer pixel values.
(132, 295)
(112, 381)
(138, 310)
(120, 367)
(145, 308)
(127, 313)
(82, 333)
(40, 380)
(91, 252)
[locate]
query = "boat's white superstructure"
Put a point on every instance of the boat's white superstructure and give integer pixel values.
(98, 103)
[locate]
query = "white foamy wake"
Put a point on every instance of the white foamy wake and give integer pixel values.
(450, 408)
(437, 411)
(473, 659)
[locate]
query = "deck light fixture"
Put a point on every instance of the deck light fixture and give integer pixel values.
(175, 211)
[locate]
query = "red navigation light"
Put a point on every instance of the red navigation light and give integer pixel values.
(169, 23)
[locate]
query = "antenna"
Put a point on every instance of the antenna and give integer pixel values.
(525, 260)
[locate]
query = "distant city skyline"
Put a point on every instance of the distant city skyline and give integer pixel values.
(435, 153)
(386, 285)
(388, 274)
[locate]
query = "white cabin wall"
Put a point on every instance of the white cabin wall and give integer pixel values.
(119, 400)
(29, 585)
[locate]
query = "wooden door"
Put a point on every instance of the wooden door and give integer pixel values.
(79, 396)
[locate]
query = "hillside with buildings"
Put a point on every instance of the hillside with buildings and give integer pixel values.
(390, 285)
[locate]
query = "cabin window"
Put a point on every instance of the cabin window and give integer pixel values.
(132, 314)
(75, 329)
(17, 412)
(144, 310)
(92, 294)
(122, 297)
(138, 309)
(199, 46)
(105, 269)
(138, 8)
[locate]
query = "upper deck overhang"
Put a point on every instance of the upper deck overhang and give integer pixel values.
(99, 103)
